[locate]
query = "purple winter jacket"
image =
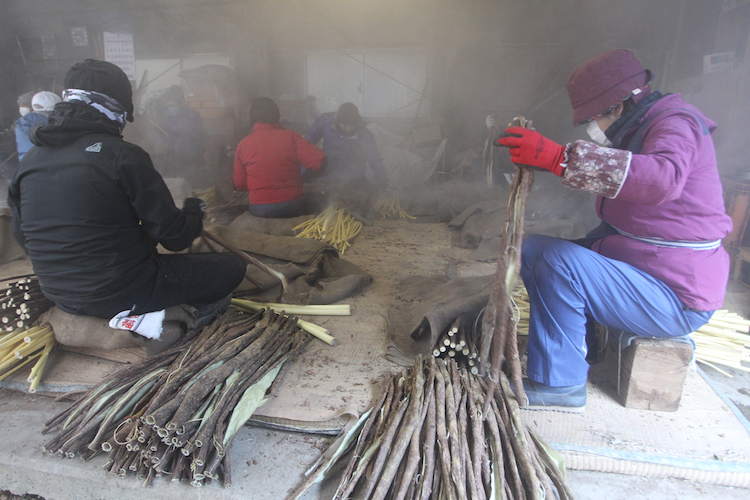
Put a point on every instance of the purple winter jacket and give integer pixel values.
(671, 191)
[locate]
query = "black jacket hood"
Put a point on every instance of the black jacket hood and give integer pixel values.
(70, 121)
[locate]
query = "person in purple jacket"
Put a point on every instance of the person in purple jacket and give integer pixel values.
(655, 266)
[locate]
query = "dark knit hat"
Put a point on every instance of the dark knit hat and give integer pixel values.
(604, 81)
(102, 77)
(348, 114)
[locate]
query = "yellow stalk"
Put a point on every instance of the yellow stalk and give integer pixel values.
(311, 328)
(318, 331)
(34, 346)
(715, 367)
(312, 310)
(39, 365)
(36, 335)
(19, 366)
(728, 325)
(724, 333)
(13, 338)
(36, 373)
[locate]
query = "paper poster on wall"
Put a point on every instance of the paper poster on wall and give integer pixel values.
(118, 49)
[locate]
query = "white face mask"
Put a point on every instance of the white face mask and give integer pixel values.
(23, 111)
(597, 134)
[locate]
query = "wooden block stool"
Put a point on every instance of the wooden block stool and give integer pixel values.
(652, 373)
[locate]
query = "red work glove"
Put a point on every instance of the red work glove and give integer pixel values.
(530, 148)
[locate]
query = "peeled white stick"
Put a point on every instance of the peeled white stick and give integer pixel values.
(311, 328)
(311, 310)
(318, 331)
(35, 377)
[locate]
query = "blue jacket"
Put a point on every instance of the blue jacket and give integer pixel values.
(187, 135)
(23, 126)
(347, 156)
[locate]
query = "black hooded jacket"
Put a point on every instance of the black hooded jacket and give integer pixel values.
(89, 208)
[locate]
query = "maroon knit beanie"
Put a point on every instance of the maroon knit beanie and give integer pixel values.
(604, 81)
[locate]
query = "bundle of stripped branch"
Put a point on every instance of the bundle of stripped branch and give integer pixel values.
(334, 226)
(724, 341)
(22, 302)
(20, 347)
(459, 342)
(427, 437)
(177, 412)
(499, 349)
(388, 206)
(462, 338)
(208, 195)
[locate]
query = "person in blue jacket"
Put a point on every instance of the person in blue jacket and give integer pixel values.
(184, 137)
(349, 146)
(42, 105)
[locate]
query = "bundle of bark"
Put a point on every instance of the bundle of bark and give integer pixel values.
(427, 438)
(177, 412)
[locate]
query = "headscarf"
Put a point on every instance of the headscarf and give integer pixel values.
(109, 107)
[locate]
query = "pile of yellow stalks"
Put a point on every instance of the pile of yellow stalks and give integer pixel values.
(332, 226)
(724, 340)
(388, 207)
(208, 195)
(22, 346)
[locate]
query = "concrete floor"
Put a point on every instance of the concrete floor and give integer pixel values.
(268, 464)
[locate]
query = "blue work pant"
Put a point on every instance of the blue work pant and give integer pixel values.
(567, 282)
(281, 210)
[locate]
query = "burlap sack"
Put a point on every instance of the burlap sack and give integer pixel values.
(87, 331)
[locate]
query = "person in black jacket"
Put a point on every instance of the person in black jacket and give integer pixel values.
(89, 208)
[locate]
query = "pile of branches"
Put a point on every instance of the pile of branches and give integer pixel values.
(177, 412)
(22, 302)
(427, 438)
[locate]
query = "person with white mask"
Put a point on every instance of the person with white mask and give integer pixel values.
(42, 104)
(655, 266)
(8, 147)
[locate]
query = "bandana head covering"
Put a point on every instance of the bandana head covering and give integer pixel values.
(102, 78)
(100, 102)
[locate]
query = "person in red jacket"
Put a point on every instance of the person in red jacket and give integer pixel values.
(268, 160)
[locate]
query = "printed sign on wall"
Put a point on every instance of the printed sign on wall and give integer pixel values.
(118, 49)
